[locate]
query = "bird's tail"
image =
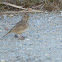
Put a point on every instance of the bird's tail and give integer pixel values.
(5, 35)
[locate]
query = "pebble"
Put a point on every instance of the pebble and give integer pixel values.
(27, 39)
(6, 28)
(11, 15)
(47, 55)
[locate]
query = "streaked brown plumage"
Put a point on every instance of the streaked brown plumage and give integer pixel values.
(20, 27)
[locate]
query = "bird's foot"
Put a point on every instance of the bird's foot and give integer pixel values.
(22, 38)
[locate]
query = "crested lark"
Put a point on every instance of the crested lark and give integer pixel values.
(20, 27)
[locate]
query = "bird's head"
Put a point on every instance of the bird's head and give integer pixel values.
(26, 17)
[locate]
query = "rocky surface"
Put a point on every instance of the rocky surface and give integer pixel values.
(43, 42)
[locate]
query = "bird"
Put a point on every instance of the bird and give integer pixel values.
(21, 26)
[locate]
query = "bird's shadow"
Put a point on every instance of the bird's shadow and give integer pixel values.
(12, 36)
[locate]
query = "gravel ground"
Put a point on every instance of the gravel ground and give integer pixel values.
(43, 42)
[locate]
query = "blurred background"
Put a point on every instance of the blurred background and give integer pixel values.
(48, 5)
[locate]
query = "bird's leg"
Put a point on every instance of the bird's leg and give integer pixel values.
(21, 37)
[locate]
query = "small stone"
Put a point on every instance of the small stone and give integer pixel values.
(27, 39)
(11, 15)
(6, 28)
(47, 54)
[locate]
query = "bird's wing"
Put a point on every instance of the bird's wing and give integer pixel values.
(18, 26)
